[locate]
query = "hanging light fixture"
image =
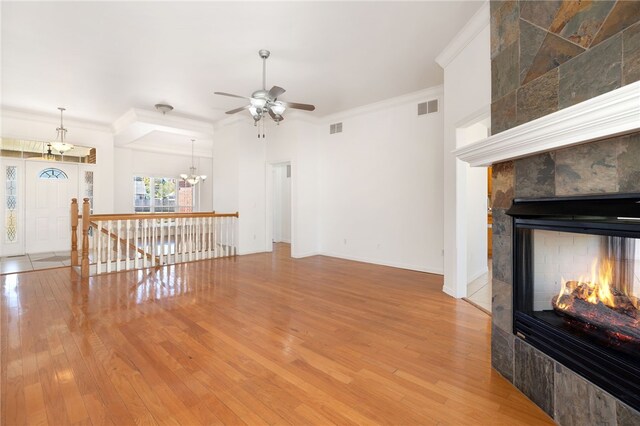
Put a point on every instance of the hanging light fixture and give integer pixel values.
(49, 155)
(192, 178)
(61, 146)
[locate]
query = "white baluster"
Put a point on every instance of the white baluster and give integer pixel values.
(109, 247)
(127, 261)
(118, 244)
(98, 236)
(136, 238)
(162, 241)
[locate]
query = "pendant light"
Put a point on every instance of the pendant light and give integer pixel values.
(192, 178)
(61, 146)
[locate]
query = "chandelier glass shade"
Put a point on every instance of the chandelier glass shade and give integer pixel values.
(192, 177)
(61, 146)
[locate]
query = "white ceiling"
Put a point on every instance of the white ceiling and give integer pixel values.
(101, 59)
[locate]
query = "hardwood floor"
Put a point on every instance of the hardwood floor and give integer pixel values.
(260, 339)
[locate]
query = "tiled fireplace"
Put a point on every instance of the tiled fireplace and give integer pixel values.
(548, 58)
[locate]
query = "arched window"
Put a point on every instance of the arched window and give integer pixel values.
(52, 173)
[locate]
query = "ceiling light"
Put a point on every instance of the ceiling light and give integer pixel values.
(49, 155)
(164, 108)
(192, 178)
(258, 103)
(61, 146)
(278, 108)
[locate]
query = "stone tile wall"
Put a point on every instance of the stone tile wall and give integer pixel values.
(607, 166)
(548, 55)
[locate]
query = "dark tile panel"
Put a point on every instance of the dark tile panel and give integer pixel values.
(626, 416)
(588, 169)
(535, 176)
(553, 52)
(502, 352)
(502, 185)
(596, 71)
(631, 54)
(534, 375)
(537, 98)
(501, 259)
(531, 38)
(503, 113)
(505, 72)
(624, 14)
(540, 13)
(579, 402)
(629, 163)
(502, 305)
(579, 21)
(502, 224)
(504, 25)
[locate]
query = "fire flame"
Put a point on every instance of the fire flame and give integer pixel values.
(595, 289)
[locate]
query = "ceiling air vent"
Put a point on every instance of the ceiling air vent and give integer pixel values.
(428, 107)
(335, 128)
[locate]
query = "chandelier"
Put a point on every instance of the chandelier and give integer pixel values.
(61, 146)
(49, 155)
(192, 178)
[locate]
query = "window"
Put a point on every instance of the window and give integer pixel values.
(11, 217)
(52, 173)
(161, 194)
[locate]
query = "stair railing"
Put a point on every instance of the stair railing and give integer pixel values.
(120, 242)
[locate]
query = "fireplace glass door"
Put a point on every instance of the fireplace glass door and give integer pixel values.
(587, 285)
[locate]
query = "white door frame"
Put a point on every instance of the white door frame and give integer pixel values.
(269, 204)
(461, 213)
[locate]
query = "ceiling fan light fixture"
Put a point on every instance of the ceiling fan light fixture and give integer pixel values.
(278, 108)
(258, 103)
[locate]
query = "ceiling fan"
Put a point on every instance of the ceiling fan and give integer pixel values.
(263, 102)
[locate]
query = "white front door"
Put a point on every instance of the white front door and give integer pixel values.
(49, 190)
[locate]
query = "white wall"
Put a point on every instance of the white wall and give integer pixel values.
(130, 162)
(467, 89)
(243, 181)
(381, 185)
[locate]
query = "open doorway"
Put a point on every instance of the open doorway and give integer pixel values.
(477, 218)
(281, 204)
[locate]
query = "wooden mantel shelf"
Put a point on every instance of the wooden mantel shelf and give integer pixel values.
(613, 113)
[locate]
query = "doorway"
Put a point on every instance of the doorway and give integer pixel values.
(475, 221)
(49, 190)
(281, 203)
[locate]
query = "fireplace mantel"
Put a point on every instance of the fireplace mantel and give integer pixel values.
(613, 113)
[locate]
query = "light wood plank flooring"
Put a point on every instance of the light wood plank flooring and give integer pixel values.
(260, 339)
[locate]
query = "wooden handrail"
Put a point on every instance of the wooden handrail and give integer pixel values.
(84, 262)
(74, 232)
(136, 216)
(123, 241)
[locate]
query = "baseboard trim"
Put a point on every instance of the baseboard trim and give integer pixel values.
(427, 269)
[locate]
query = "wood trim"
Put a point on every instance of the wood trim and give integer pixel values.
(84, 263)
(141, 216)
(74, 232)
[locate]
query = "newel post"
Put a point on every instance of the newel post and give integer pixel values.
(74, 232)
(86, 219)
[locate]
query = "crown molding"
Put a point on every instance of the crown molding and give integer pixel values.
(613, 113)
(421, 95)
(471, 29)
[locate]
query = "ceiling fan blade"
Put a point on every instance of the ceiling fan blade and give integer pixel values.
(275, 92)
(275, 116)
(229, 94)
(233, 111)
(296, 105)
